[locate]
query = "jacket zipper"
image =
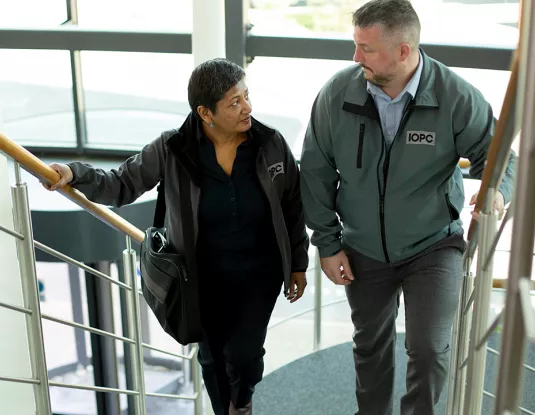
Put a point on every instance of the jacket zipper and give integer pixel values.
(177, 268)
(271, 210)
(382, 191)
(361, 146)
(385, 177)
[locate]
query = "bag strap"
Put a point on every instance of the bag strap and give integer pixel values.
(185, 204)
(184, 187)
(159, 212)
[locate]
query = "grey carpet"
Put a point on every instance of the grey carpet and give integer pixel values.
(323, 383)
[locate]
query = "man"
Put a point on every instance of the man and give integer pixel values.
(383, 195)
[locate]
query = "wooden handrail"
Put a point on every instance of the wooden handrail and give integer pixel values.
(501, 124)
(508, 103)
(40, 169)
(464, 163)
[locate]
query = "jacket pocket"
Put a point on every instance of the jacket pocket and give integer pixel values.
(454, 213)
(361, 146)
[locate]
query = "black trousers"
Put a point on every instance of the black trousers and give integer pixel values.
(235, 313)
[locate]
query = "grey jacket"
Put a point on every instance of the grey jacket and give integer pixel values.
(175, 152)
(392, 203)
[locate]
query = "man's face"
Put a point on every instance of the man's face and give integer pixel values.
(377, 54)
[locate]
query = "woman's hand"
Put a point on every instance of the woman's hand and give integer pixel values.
(65, 177)
(298, 282)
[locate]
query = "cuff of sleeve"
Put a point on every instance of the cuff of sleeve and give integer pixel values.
(330, 250)
(299, 270)
(74, 175)
(504, 190)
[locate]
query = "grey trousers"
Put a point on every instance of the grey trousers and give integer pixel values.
(430, 283)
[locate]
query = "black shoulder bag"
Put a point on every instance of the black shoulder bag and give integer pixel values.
(169, 290)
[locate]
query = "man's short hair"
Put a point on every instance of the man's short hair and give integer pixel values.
(396, 17)
(210, 81)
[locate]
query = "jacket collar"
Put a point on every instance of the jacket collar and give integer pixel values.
(184, 144)
(357, 99)
(187, 137)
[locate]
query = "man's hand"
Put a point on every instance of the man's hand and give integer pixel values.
(298, 282)
(499, 205)
(337, 268)
(65, 177)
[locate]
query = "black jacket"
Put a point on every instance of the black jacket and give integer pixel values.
(176, 152)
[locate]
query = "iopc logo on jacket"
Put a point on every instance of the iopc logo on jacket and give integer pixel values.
(276, 169)
(421, 137)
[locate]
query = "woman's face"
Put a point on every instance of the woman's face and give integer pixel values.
(233, 111)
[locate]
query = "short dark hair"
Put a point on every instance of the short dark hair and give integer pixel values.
(210, 81)
(397, 17)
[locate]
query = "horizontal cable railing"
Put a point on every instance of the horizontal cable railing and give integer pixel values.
(40, 170)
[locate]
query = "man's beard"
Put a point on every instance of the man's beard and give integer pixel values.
(380, 79)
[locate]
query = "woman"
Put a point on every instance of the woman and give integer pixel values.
(248, 212)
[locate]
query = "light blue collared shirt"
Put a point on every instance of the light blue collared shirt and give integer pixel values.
(391, 110)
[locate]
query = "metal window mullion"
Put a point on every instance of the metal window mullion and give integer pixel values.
(78, 98)
(236, 12)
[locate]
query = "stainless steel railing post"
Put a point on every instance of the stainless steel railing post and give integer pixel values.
(483, 290)
(30, 290)
(134, 323)
(317, 301)
(197, 383)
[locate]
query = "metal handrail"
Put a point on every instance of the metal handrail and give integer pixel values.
(20, 380)
(189, 356)
(80, 265)
(497, 353)
(12, 233)
(15, 308)
(92, 388)
(87, 328)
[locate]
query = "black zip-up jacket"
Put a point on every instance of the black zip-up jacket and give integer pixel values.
(176, 152)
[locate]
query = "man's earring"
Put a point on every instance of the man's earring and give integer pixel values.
(212, 124)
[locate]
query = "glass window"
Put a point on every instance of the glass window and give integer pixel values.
(283, 90)
(32, 13)
(132, 97)
(493, 85)
(36, 105)
(160, 15)
(485, 22)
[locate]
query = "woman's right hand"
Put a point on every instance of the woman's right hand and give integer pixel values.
(65, 174)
